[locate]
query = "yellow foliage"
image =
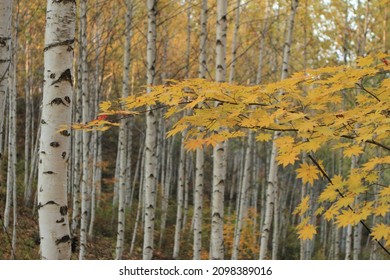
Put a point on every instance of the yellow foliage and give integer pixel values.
(303, 206)
(307, 232)
(342, 109)
(308, 173)
(380, 231)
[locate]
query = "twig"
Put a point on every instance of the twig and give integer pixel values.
(340, 193)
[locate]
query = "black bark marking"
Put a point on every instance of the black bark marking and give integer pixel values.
(66, 76)
(217, 215)
(63, 43)
(55, 144)
(51, 202)
(60, 221)
(58, 101)
(49, 172)
(63, 155)
(3, 41)
(65, 133)
(64, 210)
(52, 76)
(64, 239)
(43, 122)
(67, 99)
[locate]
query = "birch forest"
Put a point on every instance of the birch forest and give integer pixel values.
(195, 129)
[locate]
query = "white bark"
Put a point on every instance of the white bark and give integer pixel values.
(272, 176)
(244, 197)
(54, 146)
(234, 43)
(28, 122)
(5, 62)
(219, 154)
(199, 162)
(262, 45)
(85, 188)
(180, 199)
(123, 141)
(150, 141)
(203, 41)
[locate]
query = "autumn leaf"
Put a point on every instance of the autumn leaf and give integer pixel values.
(331, 212)
(354, 150)
(348, 217)
(307, 232)
(308, 173)
(286, 159)
(303, 206)
(382, 210)
(380, 231)
(264, 137)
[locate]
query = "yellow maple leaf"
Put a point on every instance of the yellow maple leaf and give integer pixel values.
(264, 137)
(385, 191)
(329, 194)
(307, 232)
(331, 212)
(105, 105)
(345, 201)
(354, 150)
(364, 61)
(287, 158)
(382, 210)
(193, 144)
(308, 173)
(348, 217)
(380, 231)
(303, 206)
(319, 211)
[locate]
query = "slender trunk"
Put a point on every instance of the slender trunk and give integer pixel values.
(54, 146)
(28, 129)
(234, 43)
(85, 188)
(180, 198)
(150, 140)
(219, 153)
(272, 177)
(123, 139)
(199, 161)
(5, 63)
(244, 197)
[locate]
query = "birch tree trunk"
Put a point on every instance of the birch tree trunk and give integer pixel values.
(123, 138)
(85, 188)
(54, 145)
(5, 63)
(199, 161)
(234, 43)
(219, 154)
(180, 199)
(150, 141)
(272, 177)
(244, 197)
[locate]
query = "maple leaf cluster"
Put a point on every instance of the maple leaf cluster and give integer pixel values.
(343, 108)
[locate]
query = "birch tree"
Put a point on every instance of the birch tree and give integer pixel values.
(5, 61)
(273, 171)
(150, 140)
(54, 145)
(123, 134)
(219, 154)
(85, 188)
(199, 161)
